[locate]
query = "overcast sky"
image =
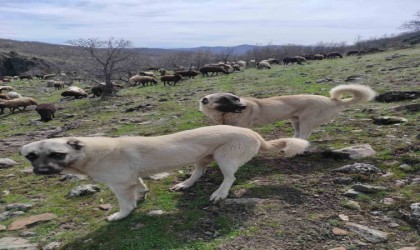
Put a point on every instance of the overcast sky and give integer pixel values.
(193, 23)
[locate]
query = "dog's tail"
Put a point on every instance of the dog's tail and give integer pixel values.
(361, 93)
(289, 146)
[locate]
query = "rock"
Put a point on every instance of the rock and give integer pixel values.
(388, 201)
(7, 163)
(410, 107)
(359, 168)
(27, 234)
(2, 227)
(339, 231)
(156, 212)
(337, 248)
(16, 243)
(159, 176)
(353, 78)
(357, 151)
(138, 225)
(414, 216)
(393, 225)
(369, 234)
(400, 183)
(415, 181)
(352, 205)
(388, 120)
(19, 207)
(345, 180)
(240, 192)
(396, 96)
(73, 177)
(405, 167)
(9, 214)
(243, 201)
(105, 206)
(343, 217)
(52, 246)
(323, 80)
(367, 188)
(83, 190)
(29, 221)
(351, 193)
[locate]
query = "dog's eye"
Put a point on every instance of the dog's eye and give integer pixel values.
(31, 157)
(57, 156)
(204, 100)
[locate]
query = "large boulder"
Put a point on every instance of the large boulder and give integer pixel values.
(13, 64)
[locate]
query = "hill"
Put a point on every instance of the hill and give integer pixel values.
(274, 203)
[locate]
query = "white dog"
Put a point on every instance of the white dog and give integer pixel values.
(306, 112)
(119, 162)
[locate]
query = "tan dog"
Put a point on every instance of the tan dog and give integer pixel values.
(119, 162)
(306, 112)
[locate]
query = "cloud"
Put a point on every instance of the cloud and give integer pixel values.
(189, 23)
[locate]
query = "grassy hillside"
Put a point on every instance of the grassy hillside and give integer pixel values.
(301, 202)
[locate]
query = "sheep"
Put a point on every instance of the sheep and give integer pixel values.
(46, 111)
(134, 80)
(17, 103)
(190, 73)
(334, 55)
(252, 63)
(241, 63)
(318, 57)
(352, 52)
(22, 77)
(48, 76)
(8, 88)
(13, 95)
(162, 71)
(98, 90)
(145, 73)
(263, 64)
(4, 97)
(171, 78)
(300, 59)
(292, 60)
(74, 91)
(272, 61)
(58, 84)
(213, 69)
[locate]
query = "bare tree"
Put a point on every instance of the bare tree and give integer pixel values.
(413, 25)
(225, 54)
(109, 56)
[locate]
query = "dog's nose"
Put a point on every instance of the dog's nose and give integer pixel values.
(204, 100)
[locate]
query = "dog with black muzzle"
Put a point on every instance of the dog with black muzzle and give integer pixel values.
(121, 162)
(306, 112)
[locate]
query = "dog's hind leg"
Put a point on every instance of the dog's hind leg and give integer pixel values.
(140, 191)
(126, 199)
(295, 123)
(200, 168)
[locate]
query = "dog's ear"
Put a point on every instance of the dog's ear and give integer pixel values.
(76, 144)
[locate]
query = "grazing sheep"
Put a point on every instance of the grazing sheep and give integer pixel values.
(46, 111)
(4, 97)
(74, 91)
(98, 90)
(13, 95)
(17, 103)
(352, 52)
(263, 64)
(171, 78)
(318, 57)
(145, 73)
(213, 69)
(22, 77)
(58, 84)
(300, 59)
(293, 60)
(334, 55)
(272, 61)
(8, 88)
(162, 71)
(137, 79)
(252, 63)
(241, 63)
(188, 73)
(309, 57)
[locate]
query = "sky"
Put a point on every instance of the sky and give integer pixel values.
(194, 23)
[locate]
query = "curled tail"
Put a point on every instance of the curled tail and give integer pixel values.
(361, 93)
(290, 146)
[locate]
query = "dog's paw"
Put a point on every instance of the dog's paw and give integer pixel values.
(116, 216)
(218, 195)
(180, 186)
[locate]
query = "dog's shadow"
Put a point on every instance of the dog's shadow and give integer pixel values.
(195, 220)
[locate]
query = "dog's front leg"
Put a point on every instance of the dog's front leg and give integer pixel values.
(126, 199)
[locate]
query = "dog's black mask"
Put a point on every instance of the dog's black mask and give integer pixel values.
(230, 104)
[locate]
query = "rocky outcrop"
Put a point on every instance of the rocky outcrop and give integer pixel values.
(13, 64)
